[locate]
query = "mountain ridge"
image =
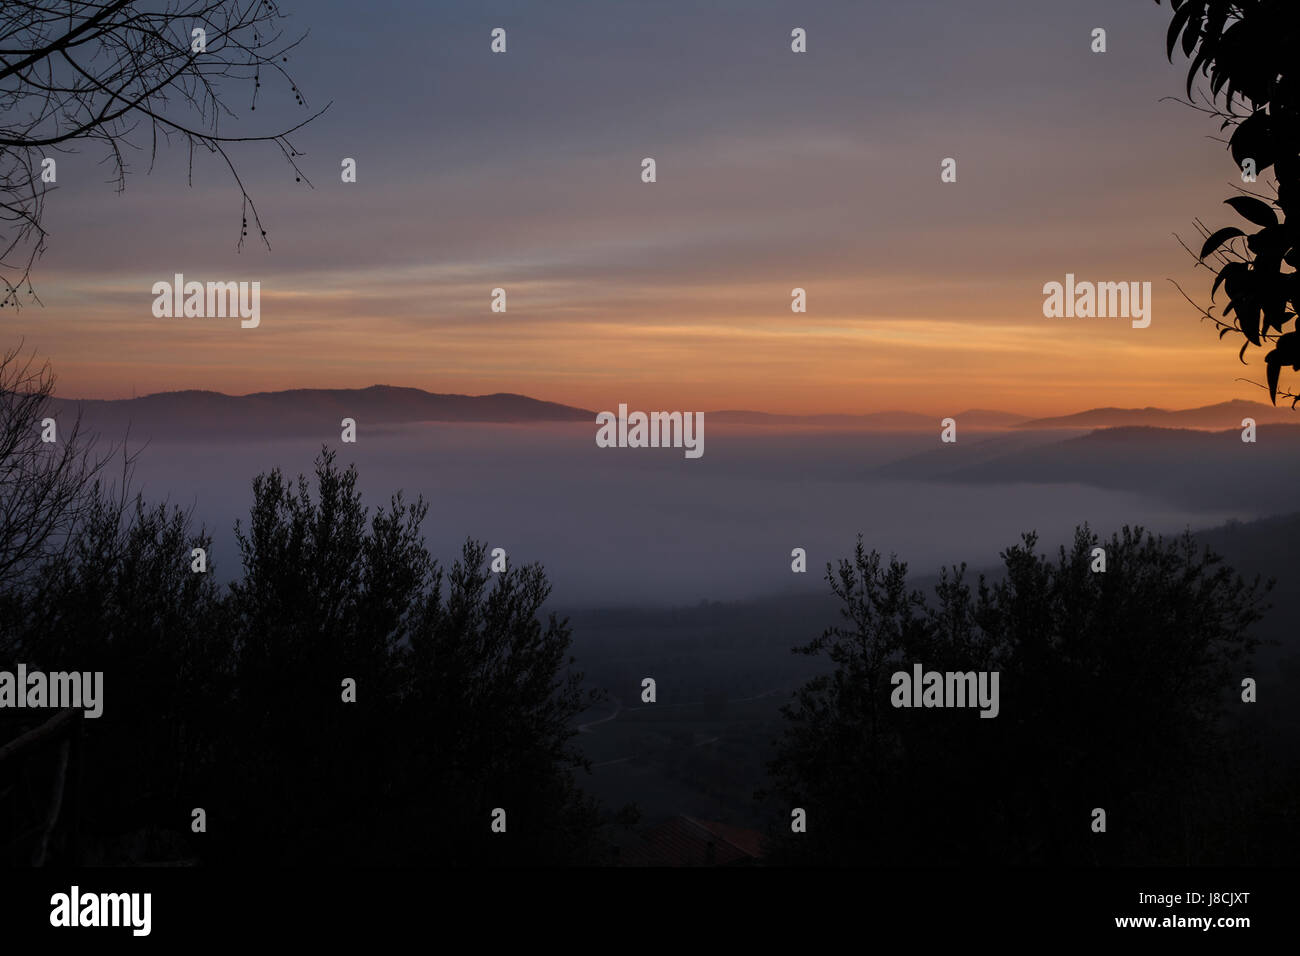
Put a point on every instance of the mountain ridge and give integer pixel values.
(207, 409)
(1222, 415)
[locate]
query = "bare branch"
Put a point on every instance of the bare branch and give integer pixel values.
(75, 72)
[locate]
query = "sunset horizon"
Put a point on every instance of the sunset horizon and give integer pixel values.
(822, 259)
(619, 397)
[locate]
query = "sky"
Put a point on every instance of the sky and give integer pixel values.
(775, 170)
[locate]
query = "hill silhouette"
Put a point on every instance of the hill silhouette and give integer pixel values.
(875, 421)
(305, 411)
(1222, 415)
(318, 411)
(1202, 469)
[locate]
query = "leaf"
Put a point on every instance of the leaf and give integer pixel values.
(1202, 58)
(1288, 349)
(1226, 273)
(1218, 238)
(1248, 321)
(1240, 283)
(1275, 317)
(1253, 139)
(1274, 369)
(1176, 27)
(1193, 31)
(1268, 245)
(1253, 210)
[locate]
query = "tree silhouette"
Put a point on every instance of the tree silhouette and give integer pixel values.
(74, 72)
(230, 700)
(46, 488)
(122, 600)
(91, 579)
(1115, 692)
(462, 706)
(1247, 50)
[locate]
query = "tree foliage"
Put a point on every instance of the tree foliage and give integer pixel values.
(46, 488)
(232, 699)
(1115, 690)
(1247, 52)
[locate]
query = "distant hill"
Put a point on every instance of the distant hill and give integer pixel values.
(1213, 417)
(977, 418)
(309, 411)
(302, 411)
(1199, 469)
(312, 411)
